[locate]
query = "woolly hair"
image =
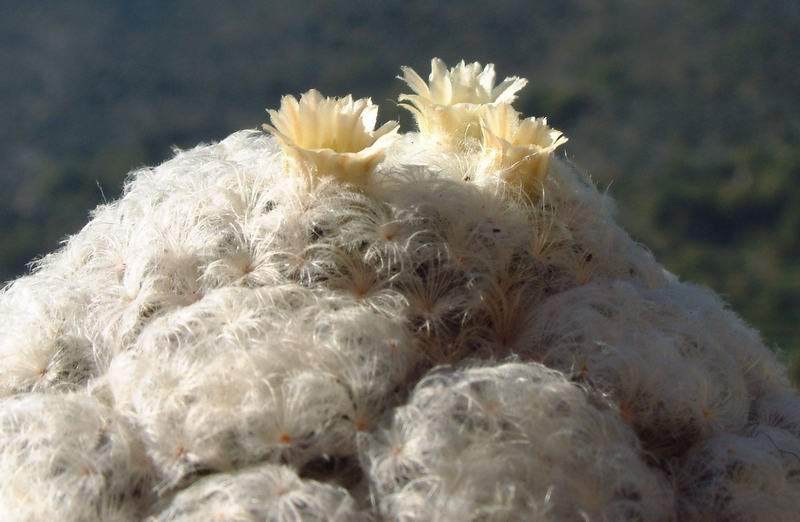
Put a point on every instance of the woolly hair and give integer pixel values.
(403, 327)
(515, 441)
(263, 492)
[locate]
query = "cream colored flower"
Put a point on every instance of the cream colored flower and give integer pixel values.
(448, 105)
(520, 149)
(325, 136)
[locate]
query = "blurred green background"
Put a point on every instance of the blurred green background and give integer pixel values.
(688, 111)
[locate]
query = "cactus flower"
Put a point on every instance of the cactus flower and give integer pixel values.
(520, 149)
(448, 106)
(325, 136)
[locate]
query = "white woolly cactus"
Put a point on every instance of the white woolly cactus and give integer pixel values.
(330, 321)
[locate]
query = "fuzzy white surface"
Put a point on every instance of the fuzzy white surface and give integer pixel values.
(226, 343)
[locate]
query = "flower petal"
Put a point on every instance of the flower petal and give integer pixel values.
(440, 85)
(506, 91)
(414, 81)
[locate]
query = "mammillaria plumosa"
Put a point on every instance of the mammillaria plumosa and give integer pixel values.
(329, 321)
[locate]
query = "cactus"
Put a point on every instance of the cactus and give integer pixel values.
(325, 321)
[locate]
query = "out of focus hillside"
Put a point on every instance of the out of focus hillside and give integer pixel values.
(688, 111)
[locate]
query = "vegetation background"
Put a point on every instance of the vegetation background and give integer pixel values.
(688, 111)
